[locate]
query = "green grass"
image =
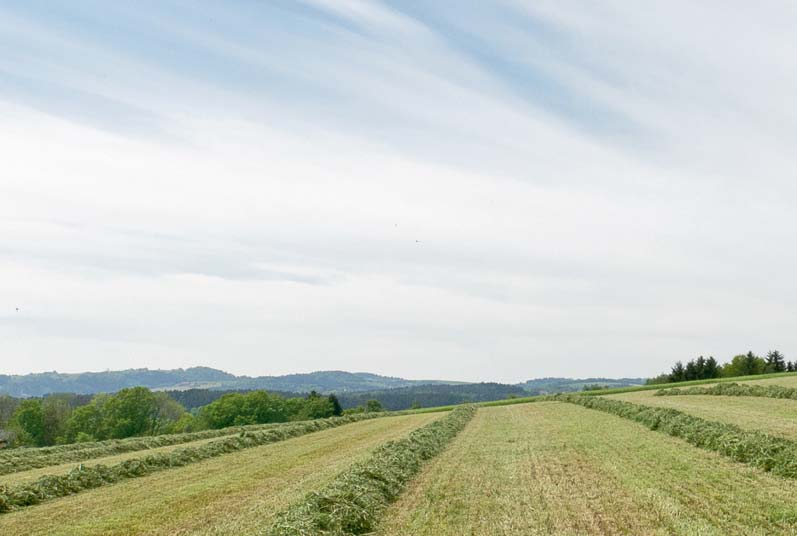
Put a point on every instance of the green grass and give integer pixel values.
(734, 389)
(31, 475)
(86, 476)
(764, 451)
(351, 504)
(235, 494)
(553, 468)
(522, 466)
(31, 459)
(778, 378)
(18, 459)
(773, 416)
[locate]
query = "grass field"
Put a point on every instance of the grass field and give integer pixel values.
(776, 378)
(786, 381)
(238, 493)
(774, 416)
(15, 460)
(519, 467)
(32, 474)
(551, 468)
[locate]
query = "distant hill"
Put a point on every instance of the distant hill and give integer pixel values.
(427, 396)
(40, 384)
(330, 381)
(398, 398)
(542, 386)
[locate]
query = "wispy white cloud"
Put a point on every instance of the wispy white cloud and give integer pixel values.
(556, 188)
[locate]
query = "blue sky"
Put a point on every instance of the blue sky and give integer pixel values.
(487, 190)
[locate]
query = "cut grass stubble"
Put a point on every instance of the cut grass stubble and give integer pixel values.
(561, 469)
(232, 495)
(87, 477)
(352, 503)
(772, 454)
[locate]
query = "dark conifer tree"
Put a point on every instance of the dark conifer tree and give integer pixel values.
(678, 373)
(775, 362)
(690, 371)
(337, 409)
(700, 368)
(712, 369)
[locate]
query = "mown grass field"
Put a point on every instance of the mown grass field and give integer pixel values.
(32, 474)
(238, 493)
(569, 466)
(769, 415)
(554, 468)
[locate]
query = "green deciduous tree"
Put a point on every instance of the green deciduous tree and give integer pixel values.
(56, 410)
(372, 406)
(744, 365)
(28, 423)
(130, 412)
(7, 407)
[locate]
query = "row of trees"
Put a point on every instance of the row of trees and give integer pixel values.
(261, 407)
(747, 364)
(395, 399)
(137, 411)
(60, 418)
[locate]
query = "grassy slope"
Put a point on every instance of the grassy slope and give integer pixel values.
(777, 378)
(552, 468)
(234, 494)
(22, 459)
(774, 416)
(33, 474)
(788, 379)
(785, 381)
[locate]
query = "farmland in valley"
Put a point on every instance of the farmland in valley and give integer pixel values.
(696, 463)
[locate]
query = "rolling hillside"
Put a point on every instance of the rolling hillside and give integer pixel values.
(653, 460)
(196, 377)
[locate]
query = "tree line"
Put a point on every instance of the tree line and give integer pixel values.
(394, 399)
(747, 364)
(137, 411)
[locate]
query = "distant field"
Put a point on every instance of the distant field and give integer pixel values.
(785, 381)
(237, 493)
(788, 379)
(551, 468)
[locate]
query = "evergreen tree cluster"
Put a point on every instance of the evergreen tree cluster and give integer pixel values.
(748, 364)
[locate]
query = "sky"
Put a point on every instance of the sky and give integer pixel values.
(478, 191)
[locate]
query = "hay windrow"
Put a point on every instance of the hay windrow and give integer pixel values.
(87, 477)
(766, 452)
(353, 502)
(24, 459)
(734, 389)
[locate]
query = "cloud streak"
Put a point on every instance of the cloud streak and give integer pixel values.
(492, 192)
